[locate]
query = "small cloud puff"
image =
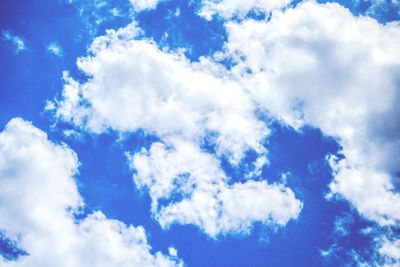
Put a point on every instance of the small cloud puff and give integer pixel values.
(16, 41)
(55, 49)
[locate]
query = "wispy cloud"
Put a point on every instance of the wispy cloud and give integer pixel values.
(16, 41)
(55, 49)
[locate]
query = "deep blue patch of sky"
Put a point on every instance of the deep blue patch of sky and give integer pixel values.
(9, 248)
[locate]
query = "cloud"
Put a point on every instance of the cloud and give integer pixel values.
(190, 104)
(390, 249)
(186, 105)
(16, 41)
(55, 49)
(204, 196)
(38, 197)
(309, 65)
(383, 247)
(319, 65)
(315, 65)
(237, 8)
(141, 5)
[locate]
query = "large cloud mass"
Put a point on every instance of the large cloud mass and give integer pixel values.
(134, 85)
(320, 65)
(186, 173)
(38, 196)
(315, 64)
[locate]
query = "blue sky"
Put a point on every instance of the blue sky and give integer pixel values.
(199, 133)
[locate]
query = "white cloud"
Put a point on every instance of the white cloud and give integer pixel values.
(140, 5)
(55, 49)
(190, 103)
(17, 41)
(315, 64)
(390, 250)
(231, 8)
(205, 199)
(319, 65)
(37, 198)
(184, 104)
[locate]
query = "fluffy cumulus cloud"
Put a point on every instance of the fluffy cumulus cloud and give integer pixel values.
(160, 92)
(316, 65)
(319, 65)
(186, 105)
(38, 197)
(206, 199)
(237, 8)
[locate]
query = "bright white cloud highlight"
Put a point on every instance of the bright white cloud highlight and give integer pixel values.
(140, 5)
(134, 85)
(37, 198)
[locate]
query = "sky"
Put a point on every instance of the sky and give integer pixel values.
(199, 133)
